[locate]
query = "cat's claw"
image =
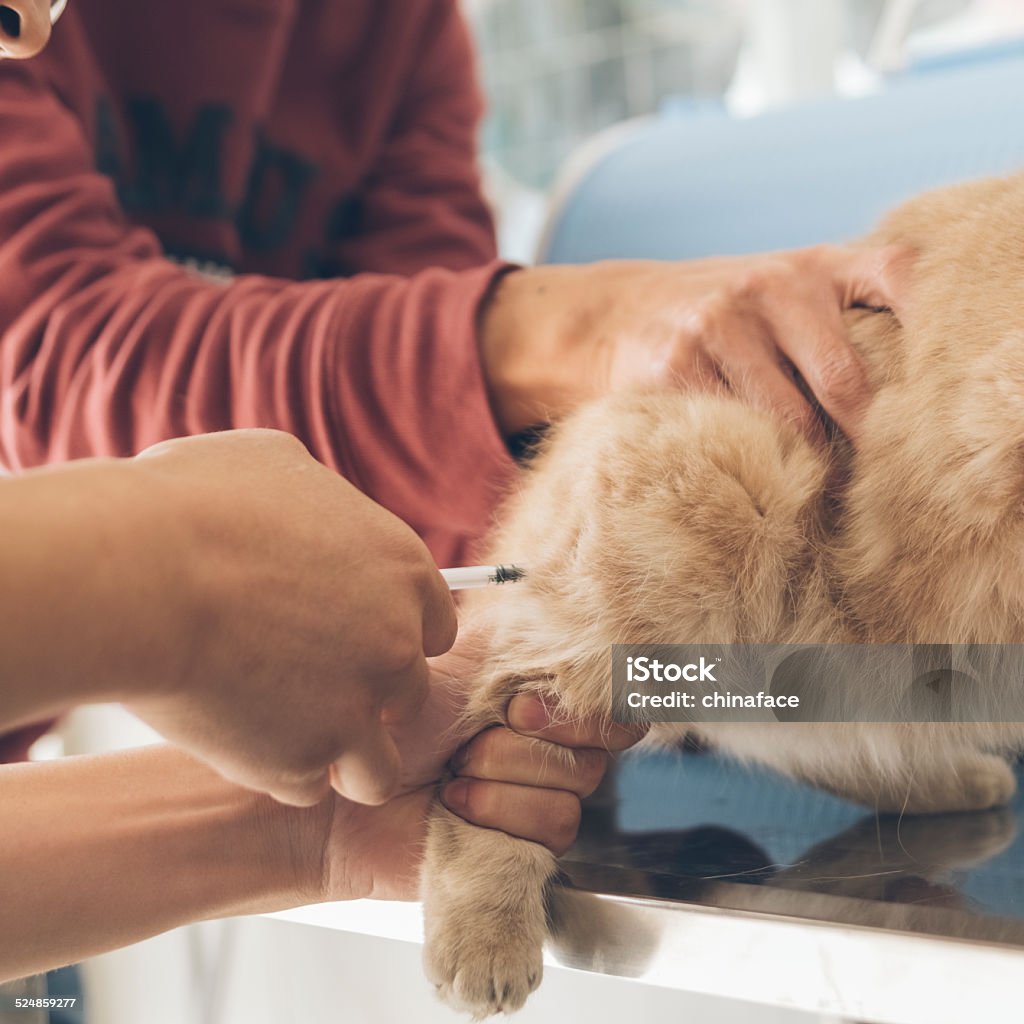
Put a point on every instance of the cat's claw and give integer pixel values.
(491, 978)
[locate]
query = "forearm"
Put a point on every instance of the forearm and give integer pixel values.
(100, 852)
(551, 336)
(379, 376)
(525, 328)
(108, 347)
(86, 607)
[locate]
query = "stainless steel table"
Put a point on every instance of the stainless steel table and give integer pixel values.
(696, 874)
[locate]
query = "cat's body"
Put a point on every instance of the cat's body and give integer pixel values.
(666, 518)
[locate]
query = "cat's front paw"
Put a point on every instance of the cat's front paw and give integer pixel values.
(973, 784)
(483, 974)
(988, 782)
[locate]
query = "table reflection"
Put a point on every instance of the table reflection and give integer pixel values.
(697, 830)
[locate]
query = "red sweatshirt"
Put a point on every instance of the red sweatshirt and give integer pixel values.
(320, 150)
(315, 141)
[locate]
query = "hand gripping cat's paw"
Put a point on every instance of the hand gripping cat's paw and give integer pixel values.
(483, 974)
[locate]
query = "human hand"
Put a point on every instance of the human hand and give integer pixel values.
(526, 779)
(298, 618)
(552, 337)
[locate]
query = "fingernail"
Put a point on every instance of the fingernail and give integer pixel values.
(454, 794)
(528, 714)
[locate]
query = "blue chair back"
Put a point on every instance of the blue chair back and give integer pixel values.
(695, 183)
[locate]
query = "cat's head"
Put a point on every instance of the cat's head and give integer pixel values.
(939, 478)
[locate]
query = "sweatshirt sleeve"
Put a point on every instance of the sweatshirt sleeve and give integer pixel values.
(107, 347)
(422, 203)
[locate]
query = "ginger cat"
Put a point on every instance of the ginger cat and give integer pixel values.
(670, 517)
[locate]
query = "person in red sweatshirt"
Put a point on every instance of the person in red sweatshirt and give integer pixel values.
(268, 213)
(271, 619)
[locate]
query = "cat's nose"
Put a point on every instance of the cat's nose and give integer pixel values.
(24, 27)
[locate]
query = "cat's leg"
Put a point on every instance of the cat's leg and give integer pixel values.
(484, 914)
(915, 769)
(652, 518)
(967, 781)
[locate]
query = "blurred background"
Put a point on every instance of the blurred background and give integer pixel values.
(558, 72)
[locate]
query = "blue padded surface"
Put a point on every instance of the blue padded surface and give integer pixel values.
(668, 791)
(694, 184)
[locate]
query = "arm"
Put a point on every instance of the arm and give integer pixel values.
(99, 852)
(421, 205)
(555, 336)
(107, 347)
(72, 629)
(215, 585)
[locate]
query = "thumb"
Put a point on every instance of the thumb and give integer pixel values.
(439, 729)
(369, 772)
(440, 623)
(302, 792)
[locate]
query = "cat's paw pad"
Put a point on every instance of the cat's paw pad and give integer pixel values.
(486, 978)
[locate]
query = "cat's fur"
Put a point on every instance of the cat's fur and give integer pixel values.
(669, 517)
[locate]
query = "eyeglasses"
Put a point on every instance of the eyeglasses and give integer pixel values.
(56, 10)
